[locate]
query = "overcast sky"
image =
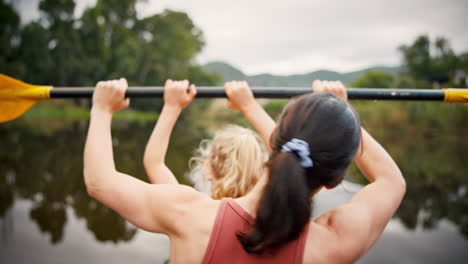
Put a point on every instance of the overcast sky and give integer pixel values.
(297, 36)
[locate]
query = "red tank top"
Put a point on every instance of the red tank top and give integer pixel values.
(225, 248)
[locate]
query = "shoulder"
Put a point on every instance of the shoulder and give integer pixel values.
(173, 203)
(347, 228)
(176, 192)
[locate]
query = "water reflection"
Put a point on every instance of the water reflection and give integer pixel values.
(41, 173)
(436, 170)
(45, 167)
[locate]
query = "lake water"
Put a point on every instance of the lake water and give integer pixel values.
(46, 215)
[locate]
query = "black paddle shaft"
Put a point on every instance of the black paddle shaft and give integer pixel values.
(266, 92)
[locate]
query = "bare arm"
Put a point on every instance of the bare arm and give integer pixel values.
(381, 198)
(360, 223)
(241, 98)
(150, 207)
(176, 99)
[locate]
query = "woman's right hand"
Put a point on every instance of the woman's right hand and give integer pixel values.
(334, 87)
(109, 96)
(240, 97)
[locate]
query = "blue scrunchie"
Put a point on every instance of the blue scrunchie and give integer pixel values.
(301, 148)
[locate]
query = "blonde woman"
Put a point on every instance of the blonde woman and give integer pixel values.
(231, 162)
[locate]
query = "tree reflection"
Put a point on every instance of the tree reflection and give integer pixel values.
(50, 217)
(437, 184)
(45, 166)
(432, 157)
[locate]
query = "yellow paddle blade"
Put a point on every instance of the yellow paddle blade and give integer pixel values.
(456, 95)
(16, 97)
(10, 110)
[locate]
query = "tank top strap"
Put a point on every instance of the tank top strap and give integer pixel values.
(239, 210)
(300, 248)
(215, 231)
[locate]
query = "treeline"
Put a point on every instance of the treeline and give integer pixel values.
(425, 64)
(107, 41)
(110, 41)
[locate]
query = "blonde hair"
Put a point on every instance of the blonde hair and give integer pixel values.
(236, 156)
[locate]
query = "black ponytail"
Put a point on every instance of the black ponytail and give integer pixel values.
(285, 205)
(332, 130)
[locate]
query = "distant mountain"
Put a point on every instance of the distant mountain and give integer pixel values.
(228, 72)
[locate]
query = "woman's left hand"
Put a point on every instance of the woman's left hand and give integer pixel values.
(179, 93)
(240, 97)
(334, 87)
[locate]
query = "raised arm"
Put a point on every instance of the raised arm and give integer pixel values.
(241, 98)
(360, 223)
(177, 95)
(147, 206)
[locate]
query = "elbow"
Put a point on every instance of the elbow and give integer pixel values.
(92, 183)
(146, 161)
(403, 185)
(91, 187)
(92, 192)
(149, 162)
(400, 183)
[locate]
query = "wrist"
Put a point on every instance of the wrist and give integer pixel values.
(250, 107)
(99, 115)
(101, 111)
(173, 109)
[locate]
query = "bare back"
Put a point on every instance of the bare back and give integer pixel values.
(341, 235)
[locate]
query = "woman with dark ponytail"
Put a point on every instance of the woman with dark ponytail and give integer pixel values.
(316, 139)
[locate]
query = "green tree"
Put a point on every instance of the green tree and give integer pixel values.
(375, 79)
(430, 62)
(64, 42)
(34, 53)
(9, 30)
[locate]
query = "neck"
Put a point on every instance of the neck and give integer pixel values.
(251, 200)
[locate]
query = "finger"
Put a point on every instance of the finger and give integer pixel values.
(329, 86)
(245, 84)
(175, 85)
(124, 104)
(106, 84)
(228, 87)
(114, 83)
(325, 86)
(111, 84)
(117, 85)
(340, 84)
(338, 88)
(228, 104)
(238, 85)
(124, 83)
(316, 85)
(192, 90)
(345, 91)
(181, 85)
